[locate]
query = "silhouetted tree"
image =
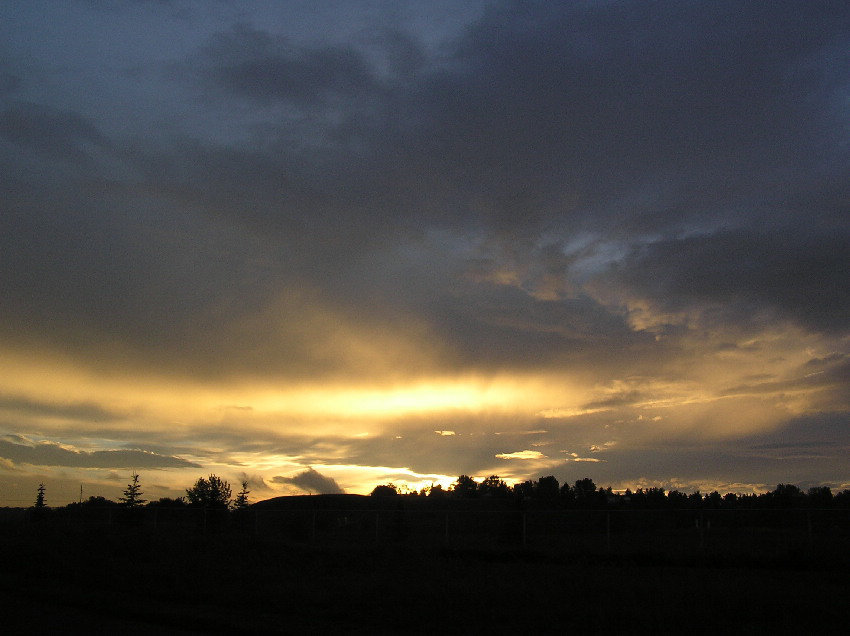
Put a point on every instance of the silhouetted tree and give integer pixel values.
(546, 488)
(677, 499)
(133, 493)
(465, 487)
(786, 496)
(95, 507)
(384, 490)
(242, 497)
(567, 495)
(96, 502)
(656, 498)
(585, 490)
(524, 489)
(713, 500)
(39, 499)
(168, 509)
(820, 497)
(436, 491)
(168, 502)
(493, 486)
(212, 492)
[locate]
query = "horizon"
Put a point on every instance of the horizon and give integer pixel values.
(328, 247)
(323, 487)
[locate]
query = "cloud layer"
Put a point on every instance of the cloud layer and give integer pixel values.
(270, 237)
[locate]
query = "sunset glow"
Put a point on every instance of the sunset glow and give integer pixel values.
(325, 248)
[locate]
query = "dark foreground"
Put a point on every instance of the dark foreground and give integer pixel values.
(130, 580)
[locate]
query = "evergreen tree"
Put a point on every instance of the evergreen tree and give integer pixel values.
(242, 497)
(133, 493)
(39, 500)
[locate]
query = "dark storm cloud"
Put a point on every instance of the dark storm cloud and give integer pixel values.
(539, 121)
(498, 325)
(51, 132)
(780, 272)
(251, 63)
(311, 481)
(587, 116)
(582, 108)
(50, 454)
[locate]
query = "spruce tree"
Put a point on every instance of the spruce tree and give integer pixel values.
(133, 493)
(39, 500)
(242, 497)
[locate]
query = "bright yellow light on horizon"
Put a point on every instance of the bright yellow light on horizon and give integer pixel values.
(60, 381)
(427, 397)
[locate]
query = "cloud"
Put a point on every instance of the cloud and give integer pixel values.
(526, 454)
(561, 158)
(643, 210)
(310, 480)
(255, 482)
(85, 411)
(745, 277)
(253, 64)
(49, 131)
(52, 454)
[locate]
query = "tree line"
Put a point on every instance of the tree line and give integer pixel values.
(212, 492)
(583, 493)
(207, 492)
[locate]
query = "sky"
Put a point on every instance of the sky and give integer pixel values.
(325, 246)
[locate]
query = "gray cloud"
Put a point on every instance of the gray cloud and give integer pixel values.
(246, 200)
(780, 272)
(311, 481)
(593, 118)
(87, 412)
(253, 64)
(51, 454)
(54, 133)
(255, 482)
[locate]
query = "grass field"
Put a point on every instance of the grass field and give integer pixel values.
(66, 577)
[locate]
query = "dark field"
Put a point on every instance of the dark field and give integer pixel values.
(253, 575)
